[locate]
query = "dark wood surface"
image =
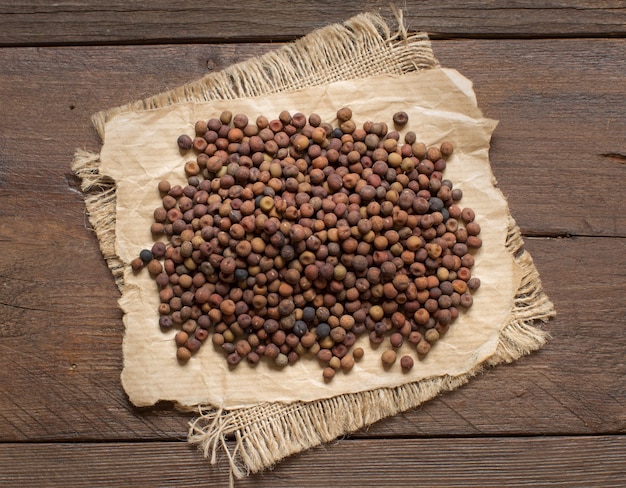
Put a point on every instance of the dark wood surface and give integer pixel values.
(555, 78)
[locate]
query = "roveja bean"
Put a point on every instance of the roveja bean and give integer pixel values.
(292, 237)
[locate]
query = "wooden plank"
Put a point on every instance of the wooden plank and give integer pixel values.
(467, 462)
(559, 134)
(99, 21)
(559, 143)
(61, 380)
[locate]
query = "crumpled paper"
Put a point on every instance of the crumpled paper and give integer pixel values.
(140, 150)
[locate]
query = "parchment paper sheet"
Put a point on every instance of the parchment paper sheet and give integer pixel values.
(140, 149)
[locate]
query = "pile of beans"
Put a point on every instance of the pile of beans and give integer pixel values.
(292, 238)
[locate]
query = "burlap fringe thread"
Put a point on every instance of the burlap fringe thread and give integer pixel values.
(264, 434)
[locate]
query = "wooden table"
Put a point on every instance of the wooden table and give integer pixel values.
(555, 78)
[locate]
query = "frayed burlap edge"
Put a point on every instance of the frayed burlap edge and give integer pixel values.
(100, 204)
(262, 435)
(363, 46)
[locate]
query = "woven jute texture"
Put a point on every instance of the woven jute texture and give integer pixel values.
(262, 435)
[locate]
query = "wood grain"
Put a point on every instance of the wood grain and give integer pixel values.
(100, 21)
(483, 462)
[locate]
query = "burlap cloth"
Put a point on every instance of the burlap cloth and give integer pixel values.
(272, 413)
